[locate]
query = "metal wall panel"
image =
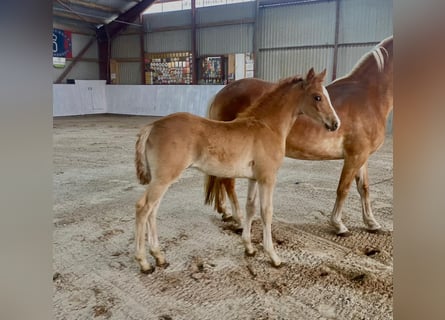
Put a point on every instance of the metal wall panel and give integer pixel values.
(297, 25)
(126, 46)
(81, 71)
(130, 73)
(225, 39)
(277, 64)
(78, 43)
(365, 20)
(169, 41)
(348, 56)
(238, 11)
(167, 19)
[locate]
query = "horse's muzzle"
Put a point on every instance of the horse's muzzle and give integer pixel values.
(333, 127)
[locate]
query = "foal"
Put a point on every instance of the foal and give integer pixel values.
(251, 146)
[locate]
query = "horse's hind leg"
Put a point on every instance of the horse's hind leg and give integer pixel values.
(347, 175)
(146, 210)
(250, 213)
(229, 185)
(361, 178)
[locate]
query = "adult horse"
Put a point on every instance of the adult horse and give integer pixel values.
(362, 99)
(251, 146)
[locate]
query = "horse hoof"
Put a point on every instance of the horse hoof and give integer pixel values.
(375, 231)
(344, 234)
(277, 265)
(148, 271)
(238, 230)
(163, 266)
(250, 254)
(227, 218)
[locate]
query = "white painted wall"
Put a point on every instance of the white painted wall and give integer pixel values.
(160, 100)
(94, 96)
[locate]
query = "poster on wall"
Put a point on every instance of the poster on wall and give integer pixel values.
(62, 47)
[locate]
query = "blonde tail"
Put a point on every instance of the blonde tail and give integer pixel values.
(142, 165)
(215, 193)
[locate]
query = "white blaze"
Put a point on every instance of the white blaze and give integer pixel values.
(326, 93)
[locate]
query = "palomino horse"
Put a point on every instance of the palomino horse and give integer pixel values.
(251, 146)
(362, 99)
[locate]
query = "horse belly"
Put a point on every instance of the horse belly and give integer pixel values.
(315, 149)
(232, 169)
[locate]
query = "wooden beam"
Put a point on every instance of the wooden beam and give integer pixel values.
(108, 32)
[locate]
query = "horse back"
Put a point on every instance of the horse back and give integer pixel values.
(236, 97)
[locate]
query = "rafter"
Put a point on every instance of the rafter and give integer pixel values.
(89, 5)
(78, 17)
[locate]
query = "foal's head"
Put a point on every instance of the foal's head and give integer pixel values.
(316, 103)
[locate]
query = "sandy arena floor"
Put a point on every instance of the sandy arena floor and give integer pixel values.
(324, 277)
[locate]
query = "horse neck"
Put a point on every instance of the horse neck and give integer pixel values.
(278, 110)
(378, 83)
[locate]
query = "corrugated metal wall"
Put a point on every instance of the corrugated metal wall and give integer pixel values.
(126, 46)
(211, 39)
(126, 50)
(225, 40)
(276, 64)
(169, 41)
(294, 38)
(365, 20)
(297, 25)
(83, 70)
(348, 56)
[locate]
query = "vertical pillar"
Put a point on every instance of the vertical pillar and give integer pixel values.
(255, 40)
(142, 44)
(104, 48)
(337, 27)
(194, 51)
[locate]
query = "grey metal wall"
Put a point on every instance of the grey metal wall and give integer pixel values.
(126, 50)
(225, 40)
(294, 38)
(83, 70)
(277, 64)
(220, 30)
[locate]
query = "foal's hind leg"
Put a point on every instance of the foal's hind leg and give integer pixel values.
(361, 178)
(146, 209)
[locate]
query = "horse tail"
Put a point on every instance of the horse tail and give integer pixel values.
(214, 192)
(142, 166)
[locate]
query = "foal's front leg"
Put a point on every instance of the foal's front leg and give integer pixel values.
(266, 200)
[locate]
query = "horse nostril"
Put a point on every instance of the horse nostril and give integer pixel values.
(335, 125)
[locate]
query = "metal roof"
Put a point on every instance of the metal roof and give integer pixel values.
(89, 15)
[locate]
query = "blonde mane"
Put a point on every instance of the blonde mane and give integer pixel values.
(378, 53)
(272, 92)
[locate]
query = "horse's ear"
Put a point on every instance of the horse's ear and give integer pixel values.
(310, 75)
(322, 75)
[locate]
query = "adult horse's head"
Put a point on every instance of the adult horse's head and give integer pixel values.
(316, 103)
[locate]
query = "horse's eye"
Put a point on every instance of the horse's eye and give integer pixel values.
(317, 98)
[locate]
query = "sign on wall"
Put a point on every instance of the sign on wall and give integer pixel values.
(62, 47)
